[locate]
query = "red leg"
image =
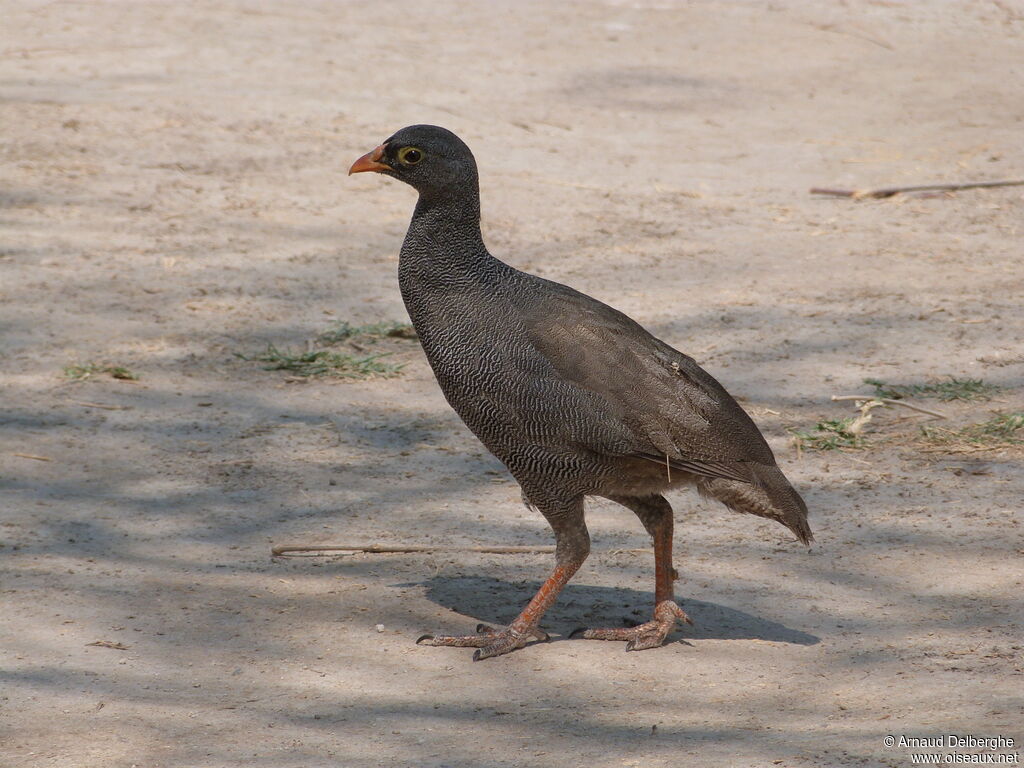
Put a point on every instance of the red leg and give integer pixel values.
(572, 548)
(656, 515)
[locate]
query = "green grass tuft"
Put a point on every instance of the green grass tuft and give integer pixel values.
(324, 362)
(318, 361)
(828, 435)
(87, 371)
(1004, 429)
(345, 331)
(947, 389)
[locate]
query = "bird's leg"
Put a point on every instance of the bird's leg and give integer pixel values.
(656, 515)
(572, 545)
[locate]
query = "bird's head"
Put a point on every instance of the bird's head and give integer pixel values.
(432, 160)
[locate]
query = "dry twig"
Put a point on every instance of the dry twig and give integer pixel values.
(104, 406)
(861, 194)
(110, 644)
(379, 549)
(889, 401)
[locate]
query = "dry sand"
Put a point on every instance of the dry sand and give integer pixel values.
(174, 192)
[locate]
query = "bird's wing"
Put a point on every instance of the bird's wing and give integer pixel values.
(672, 409)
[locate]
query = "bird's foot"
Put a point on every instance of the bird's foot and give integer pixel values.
(488, 641)
(648, 635)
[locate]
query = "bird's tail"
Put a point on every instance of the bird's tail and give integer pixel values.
(769, 494)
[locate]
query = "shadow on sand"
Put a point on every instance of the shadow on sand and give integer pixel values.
(495, 601)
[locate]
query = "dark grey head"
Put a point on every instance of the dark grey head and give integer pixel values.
(431, 159)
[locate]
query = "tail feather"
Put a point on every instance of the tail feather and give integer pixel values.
(769, 494)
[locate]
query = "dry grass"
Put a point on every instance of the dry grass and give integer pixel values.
(1004, 430)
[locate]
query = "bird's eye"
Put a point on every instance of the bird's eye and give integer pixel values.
(409, 155)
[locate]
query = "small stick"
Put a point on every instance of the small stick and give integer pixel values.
(972, 449)
(890, 401)
(110, 644)
(104, 406)
(33, 456)
(376, 549)
(860, 194)
(382, 549)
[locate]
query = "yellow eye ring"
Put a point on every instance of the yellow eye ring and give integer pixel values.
(409, 155)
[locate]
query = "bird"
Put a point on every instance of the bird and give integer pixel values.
(575, 398)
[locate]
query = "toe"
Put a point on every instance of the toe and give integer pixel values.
(646, 640)
(648, 635)
(490, 651)
(505, 643)
(488, 642)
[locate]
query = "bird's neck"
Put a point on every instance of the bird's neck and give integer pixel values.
(444, 240)
(437, 213)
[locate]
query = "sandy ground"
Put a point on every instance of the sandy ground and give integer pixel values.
(174, 193)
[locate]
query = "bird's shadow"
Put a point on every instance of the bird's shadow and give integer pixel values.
(495, 601)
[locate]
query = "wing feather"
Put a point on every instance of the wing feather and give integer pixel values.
(669, 405)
